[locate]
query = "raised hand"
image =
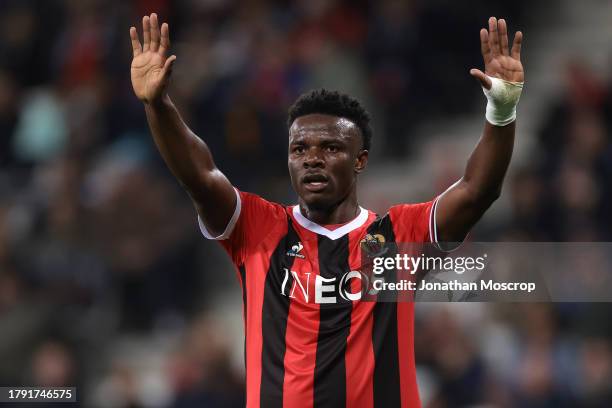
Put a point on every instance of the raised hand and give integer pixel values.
(150, 67)
(499, 60)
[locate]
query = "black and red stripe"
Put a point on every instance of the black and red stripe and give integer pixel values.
(274, 323)
(334, 326)
(386, 380)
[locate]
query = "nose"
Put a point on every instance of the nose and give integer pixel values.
(313, 159)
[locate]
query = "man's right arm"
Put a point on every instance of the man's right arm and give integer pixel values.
(186, 154)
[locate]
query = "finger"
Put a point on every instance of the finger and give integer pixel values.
(165, 39)
(481, 77)
(146, 34)
(484, 45)
(503, 36)
(136, 47)
(516, 45)
(493, 37)
(169, 65)
(154, 33)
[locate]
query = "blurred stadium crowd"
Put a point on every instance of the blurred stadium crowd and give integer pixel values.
(105, 282)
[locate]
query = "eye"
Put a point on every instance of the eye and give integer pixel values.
(298, 149)
(332, 149)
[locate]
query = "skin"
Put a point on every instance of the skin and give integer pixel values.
(467, 200)
(331, 147)
(323, 146)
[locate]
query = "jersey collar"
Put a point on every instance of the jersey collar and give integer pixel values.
(331, 234)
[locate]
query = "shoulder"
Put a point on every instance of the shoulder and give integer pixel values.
(414, 222)
(254, 203)
(253, 214)
(411, 211)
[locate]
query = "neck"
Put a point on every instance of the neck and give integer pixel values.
(340, 213)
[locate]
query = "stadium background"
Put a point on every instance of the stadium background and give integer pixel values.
(105, 282)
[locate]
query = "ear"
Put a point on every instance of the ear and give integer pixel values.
(361, 161)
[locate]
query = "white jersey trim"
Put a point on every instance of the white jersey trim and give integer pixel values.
(357, 222)
(433, 226)
(230, 225)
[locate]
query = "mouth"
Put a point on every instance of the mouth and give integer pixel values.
(315, 182)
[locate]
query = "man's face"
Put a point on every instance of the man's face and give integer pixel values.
(325, 156)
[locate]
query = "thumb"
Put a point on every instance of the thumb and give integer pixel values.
(481, 77)
(168, 65)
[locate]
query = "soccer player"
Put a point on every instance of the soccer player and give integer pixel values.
(308, 342)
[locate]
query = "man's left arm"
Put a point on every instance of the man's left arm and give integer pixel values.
(462, 205)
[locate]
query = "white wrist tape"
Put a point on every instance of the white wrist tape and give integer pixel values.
(502, 100)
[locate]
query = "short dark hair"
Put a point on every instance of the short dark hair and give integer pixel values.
(333, 103)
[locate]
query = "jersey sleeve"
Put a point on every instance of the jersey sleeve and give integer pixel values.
(253, 220)
(414, 222)
(417, 223)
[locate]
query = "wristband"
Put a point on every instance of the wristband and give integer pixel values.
(502, 100)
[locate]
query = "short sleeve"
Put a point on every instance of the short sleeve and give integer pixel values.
(414, 222)
(253, 220)
(230, 225)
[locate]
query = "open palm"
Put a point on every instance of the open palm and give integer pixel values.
(499, 60)
(150, 67)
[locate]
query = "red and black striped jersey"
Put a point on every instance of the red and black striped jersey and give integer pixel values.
(308, 344)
